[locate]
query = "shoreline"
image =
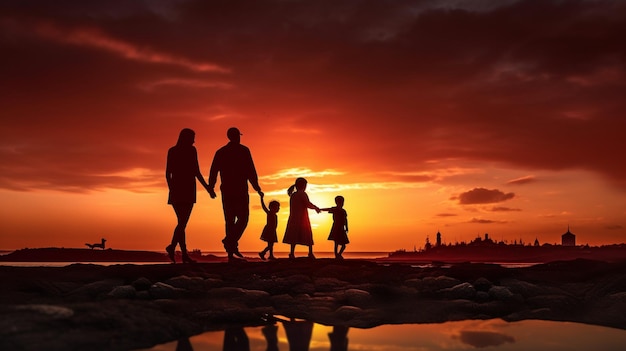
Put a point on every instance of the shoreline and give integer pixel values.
(435, 256)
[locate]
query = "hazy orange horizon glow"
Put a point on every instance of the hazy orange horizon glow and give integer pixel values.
(466, 118)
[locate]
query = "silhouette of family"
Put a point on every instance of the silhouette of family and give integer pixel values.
(233, 162)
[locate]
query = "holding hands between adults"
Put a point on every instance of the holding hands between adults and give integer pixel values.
(211, 192)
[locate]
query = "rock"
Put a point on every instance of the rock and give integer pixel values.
(464, 291)
(385, 292)
(282, 300)
(335, 271)
(328, 284)
(305, 288)
(297, 279)
(368, 318)
(141, 283)
(618, 297)
(123, 292)
(55, 312)
(358, 298)
(160, 290)
(256, 298)
(230, 292)
(559, 303)
(187, 283)
(432, 284)
(210, 283)
(539, 313)
(501, 293)
(482, 296)
(143, 295)
(97, 288)
(251, 298)
(347, 312)
(482, 284)
(523, 288)
(323, 301)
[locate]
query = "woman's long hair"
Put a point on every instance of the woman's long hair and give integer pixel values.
(186, 137)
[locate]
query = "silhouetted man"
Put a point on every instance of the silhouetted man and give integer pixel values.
(234, 163)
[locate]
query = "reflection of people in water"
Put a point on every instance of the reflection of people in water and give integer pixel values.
(184, 345)
(298, 334)
(339, 338)
(236, 339)
(181, 173)
(270, 331)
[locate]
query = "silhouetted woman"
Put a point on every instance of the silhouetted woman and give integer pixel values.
(298, 229)
(181, 173)
(298, 334)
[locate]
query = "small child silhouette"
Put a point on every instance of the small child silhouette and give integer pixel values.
(339, 230)
(269, 231)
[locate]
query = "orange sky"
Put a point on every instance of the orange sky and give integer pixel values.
(464, 117)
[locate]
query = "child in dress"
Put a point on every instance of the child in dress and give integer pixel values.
(339, 230)
(298, 229)
(269, 231)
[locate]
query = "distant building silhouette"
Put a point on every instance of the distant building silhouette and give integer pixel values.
(536, 242)
(438, 239)
(428, 245)
(568, 239)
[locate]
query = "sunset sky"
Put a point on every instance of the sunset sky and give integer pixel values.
(464, 117)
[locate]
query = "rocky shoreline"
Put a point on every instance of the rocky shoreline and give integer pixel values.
(122, 307)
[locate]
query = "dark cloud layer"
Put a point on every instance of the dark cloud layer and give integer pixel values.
(504, 209)
(483, 196)
(522, 180)
(92, 89)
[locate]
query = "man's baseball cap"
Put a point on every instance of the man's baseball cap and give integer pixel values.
(233, 132)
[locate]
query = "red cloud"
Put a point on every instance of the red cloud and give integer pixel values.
(522, 180)
(485, 221)
(483, 196)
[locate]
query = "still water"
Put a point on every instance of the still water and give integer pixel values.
(492, 334)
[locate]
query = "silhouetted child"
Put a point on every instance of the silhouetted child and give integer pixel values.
(339, 230)
(269, 231)
(298, 229)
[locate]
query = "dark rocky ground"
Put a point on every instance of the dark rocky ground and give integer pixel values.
(122, 307)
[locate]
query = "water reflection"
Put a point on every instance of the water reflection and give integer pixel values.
(298, 334)
(465, 335)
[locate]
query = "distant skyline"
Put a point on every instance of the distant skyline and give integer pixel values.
(465, 117)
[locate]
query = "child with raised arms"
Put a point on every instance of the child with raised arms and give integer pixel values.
(269, 231)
